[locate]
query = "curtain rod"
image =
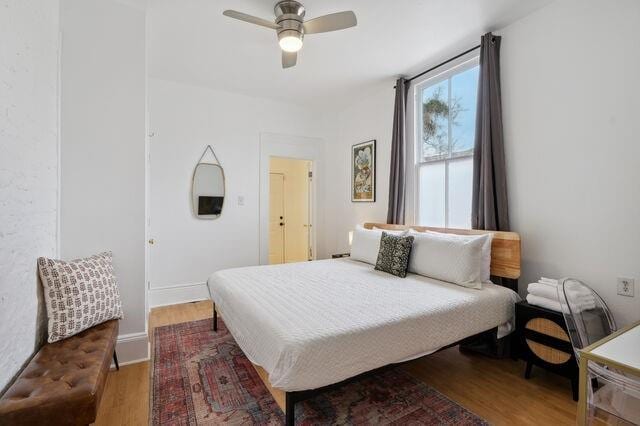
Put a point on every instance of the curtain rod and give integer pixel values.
(442, 63)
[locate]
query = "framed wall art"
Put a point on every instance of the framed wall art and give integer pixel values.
(363, 172)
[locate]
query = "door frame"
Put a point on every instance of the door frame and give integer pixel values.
(296, 147)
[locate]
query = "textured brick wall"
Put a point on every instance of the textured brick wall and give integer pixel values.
(28, 170)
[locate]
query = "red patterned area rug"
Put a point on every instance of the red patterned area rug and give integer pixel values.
(203, 378)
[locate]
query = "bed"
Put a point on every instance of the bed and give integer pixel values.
(306, 326)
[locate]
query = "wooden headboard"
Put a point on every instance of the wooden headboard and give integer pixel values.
(505, 247)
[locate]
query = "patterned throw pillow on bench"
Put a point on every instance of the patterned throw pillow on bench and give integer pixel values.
(79, 294)
(394, 253)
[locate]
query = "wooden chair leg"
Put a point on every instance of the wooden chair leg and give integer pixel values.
(115, 360)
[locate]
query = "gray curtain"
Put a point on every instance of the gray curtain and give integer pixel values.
(489, 206)
(395, 212)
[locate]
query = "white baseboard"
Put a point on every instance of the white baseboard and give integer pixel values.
(132, 348)
(175, 294)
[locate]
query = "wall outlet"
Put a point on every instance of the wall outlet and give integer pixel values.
(626, 286)
(241, 200)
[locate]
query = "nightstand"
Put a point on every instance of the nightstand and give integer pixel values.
(543, 341)
(340, 255)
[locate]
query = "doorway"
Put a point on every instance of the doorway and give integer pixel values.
(290, 210)
(301, 148)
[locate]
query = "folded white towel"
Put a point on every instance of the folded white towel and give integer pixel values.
(548, 281)
(543, 290)
(551, 292)
(554, 305)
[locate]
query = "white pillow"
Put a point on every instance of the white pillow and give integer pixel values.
(455, 260)
(79, 294)
(486, 250)
(366, 244)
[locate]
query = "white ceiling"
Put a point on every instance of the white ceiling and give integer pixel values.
(191, 41)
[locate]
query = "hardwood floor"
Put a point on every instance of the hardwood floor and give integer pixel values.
(497, 390)
(494, 389)
(126, 396)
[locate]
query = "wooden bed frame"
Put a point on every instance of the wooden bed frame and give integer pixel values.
(505, 264)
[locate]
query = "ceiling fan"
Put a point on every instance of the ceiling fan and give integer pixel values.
(291, 27)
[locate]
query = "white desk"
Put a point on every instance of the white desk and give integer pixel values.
(620, 350)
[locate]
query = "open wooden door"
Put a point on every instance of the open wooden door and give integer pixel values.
(276, 218)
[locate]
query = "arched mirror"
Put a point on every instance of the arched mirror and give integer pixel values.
(207, 188)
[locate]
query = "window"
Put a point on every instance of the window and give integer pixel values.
(445, 129)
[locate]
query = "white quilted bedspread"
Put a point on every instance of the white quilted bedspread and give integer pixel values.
(312, 324)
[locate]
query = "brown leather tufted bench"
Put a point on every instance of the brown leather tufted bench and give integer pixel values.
(63, 383)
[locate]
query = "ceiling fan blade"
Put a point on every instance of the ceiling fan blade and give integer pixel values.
(289, 59)
(331, 22)
(251, 19)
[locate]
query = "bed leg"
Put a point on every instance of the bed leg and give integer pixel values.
(215, 318)
(289, 415)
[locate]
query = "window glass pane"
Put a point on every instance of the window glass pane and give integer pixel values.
(460, 182)
(435, 128)
(445, 116)
(464, 92)
(432, 201)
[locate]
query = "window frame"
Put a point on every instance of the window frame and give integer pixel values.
(458, 67)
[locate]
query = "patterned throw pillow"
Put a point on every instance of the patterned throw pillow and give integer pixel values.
(79, 294)
(393, 256)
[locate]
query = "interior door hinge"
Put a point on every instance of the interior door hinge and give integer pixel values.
(310, 175)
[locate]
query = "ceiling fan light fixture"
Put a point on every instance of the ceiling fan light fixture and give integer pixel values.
(290, 41)
(291, 26)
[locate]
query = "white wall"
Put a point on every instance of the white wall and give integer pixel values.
(571, 101)
(184, 120)
(370, 117)
(28, 171)
(103, 149)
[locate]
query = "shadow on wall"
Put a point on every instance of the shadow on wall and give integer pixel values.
(550, 270)
(41, 316)
(40, 332)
